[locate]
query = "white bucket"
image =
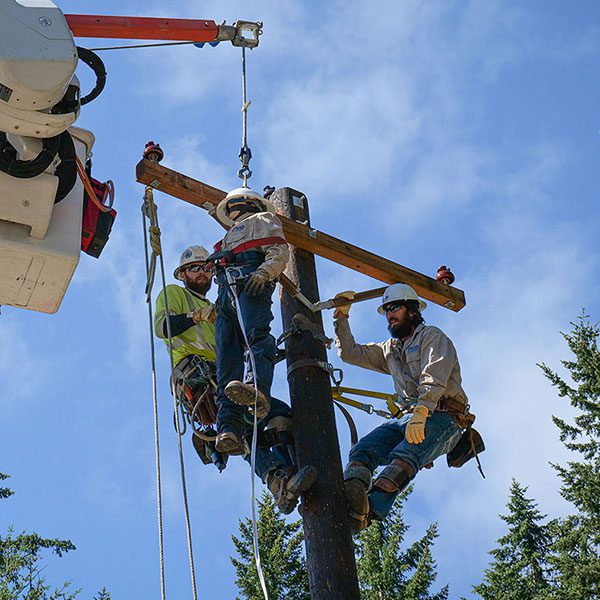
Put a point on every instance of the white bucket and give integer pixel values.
(35, 273)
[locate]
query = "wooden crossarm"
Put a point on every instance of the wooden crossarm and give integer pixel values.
(309, 239)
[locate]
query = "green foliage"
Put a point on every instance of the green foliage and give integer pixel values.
(5, 492)
(21, 566)
(519, 569)
(386, 571)
(576, 551)
(283, 564)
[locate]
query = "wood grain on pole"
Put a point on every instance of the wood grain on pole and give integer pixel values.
(329, 546)
(305, 237)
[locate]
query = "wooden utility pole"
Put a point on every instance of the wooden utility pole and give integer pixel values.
(329, 547)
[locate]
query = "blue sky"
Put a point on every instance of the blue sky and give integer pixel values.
(459, 133)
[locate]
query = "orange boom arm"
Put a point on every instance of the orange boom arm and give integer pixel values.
(143, 28)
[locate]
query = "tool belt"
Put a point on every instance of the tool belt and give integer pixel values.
(194, 379)
(458, 410)
(470, 444)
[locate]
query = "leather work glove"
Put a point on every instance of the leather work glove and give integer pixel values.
(256, 282)
(415, 428)
(206, 313)
(342, 312)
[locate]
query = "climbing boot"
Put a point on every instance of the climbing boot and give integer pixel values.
(286, 484)
(357, 482)
(229, 443)
(245, 394)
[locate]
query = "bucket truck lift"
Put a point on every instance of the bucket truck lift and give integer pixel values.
(41, 197)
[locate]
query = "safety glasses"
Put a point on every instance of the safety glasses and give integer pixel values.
(198, 268)
(392, 307)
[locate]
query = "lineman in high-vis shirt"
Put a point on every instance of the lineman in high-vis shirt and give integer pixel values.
(191, 320)
(424, 366)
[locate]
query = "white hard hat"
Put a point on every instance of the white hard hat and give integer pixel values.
(190, 255)
(242, 192)
(397, 292)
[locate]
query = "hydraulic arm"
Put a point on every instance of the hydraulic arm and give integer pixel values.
(151, 28)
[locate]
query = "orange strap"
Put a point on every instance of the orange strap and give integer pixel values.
(87, 184)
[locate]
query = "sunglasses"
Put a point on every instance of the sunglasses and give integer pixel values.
(198, 268)
(392, 307)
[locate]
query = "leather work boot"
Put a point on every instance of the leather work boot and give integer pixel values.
(286, 485)
(229, 443)
(357, 482)
(245, 394)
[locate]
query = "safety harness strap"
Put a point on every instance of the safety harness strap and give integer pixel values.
(309, 362)
(268, 241)
(351, 423)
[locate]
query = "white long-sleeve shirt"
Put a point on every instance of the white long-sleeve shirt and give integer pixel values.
(256, 227)
(424, 367)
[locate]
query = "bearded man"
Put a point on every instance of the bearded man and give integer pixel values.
(423, 364)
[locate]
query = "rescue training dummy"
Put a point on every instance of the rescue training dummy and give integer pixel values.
(424, 366)
(192, 318)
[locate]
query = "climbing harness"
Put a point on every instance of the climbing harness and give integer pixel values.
(195, 387)
(152, 239)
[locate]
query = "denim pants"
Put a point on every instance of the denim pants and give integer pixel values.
(278, 456)
(387, 442)
(230, 346)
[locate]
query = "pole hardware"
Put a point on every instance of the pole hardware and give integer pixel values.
(301, 323)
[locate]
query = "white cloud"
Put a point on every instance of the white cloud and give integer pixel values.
(22, 369)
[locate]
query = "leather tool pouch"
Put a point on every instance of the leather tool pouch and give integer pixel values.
(468, 447)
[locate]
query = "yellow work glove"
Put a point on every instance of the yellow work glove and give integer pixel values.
(415, 428)
(342, 312)
(206, 313)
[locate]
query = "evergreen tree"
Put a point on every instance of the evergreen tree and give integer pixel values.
(576, 557)
(386, 571)
(283, 564)
(21, 567)
(519, 571)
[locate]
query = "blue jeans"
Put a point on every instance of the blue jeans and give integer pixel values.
(269, 458)
(230, 346)
(387, 442)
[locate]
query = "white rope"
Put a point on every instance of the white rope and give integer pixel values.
(155, 404)
(152, 213)
(261, 576)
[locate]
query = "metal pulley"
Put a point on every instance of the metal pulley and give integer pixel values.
(245, 156)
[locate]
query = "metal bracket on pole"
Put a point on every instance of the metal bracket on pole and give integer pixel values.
(299, 324)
